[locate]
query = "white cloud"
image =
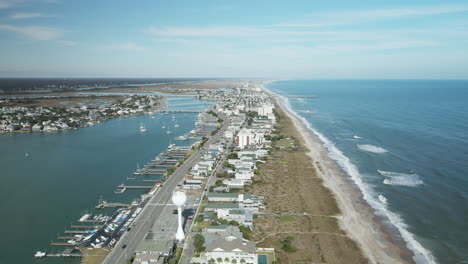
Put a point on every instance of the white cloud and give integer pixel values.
(222, 31)
(128, 46)
(346, 17)
(35, 32)
(27, 15)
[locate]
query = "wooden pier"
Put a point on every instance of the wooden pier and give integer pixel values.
(65, 237)
(103, 204)
(154, 181)
(86, 227)
(75, 232)
(61, 244)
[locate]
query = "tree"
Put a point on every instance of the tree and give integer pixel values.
(246, 232)
(211, 261)
(219, 260)
(226, 259)
(198, 242)
(233, 261)
(242, 261)
(286, 244)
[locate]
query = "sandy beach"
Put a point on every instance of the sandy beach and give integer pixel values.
(378, 243)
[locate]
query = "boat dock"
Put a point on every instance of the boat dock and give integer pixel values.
(87, 227)
(75, 232)
(67, 253)
(103, 204)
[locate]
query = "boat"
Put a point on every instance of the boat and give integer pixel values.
(152, 117)
(163, 127)
(138, 171)
(39, 254)
(142, 128)
(176, 125)
(120, 189)
(173, 117)
(168, 132)
(84, 217)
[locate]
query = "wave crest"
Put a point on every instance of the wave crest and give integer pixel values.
(402, 179)
(372, 148)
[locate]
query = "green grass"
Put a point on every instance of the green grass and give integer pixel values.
(200, 225)
(287, 218)
(285, 143)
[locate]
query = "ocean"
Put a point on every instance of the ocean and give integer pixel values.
(66, 173)
(404, 143)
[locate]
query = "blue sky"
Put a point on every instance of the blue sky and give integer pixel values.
(267, 39)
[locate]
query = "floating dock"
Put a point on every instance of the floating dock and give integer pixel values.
(103, 204)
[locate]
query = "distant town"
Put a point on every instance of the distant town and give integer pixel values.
(17, 118)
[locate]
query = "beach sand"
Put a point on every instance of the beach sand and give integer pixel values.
(340, 227)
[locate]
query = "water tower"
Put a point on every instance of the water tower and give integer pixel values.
(179, 198)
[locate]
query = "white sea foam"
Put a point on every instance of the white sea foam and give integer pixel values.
(383, 199)
(357, 137)
(422, 255)
(404, 179)
(372, 148)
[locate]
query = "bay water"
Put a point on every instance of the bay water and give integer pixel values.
(66, 173)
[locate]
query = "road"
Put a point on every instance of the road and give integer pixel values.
(189, 249)
(152, 211)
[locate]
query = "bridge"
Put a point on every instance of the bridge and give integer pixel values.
(178, 111)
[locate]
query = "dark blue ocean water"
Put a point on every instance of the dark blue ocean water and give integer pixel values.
(405, 145)
(67, 172)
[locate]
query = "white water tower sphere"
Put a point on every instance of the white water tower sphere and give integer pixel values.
(179, 198)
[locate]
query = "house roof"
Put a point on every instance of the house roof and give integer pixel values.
(222, 205)
(224, 195)
(235, 245)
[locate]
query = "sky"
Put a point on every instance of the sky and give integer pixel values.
(234, 39)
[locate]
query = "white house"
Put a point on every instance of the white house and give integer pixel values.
(234, 183)
(232, 248)
(241, 216)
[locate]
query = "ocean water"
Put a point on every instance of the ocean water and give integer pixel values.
(405, 145)
(67, 172)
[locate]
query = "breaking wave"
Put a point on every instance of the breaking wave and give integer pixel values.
(372, 148)
(403, 179)
(421, 254)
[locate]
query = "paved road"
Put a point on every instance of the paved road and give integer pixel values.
(189, 248)
(152, 211)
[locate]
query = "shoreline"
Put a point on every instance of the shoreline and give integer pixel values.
(357, 218)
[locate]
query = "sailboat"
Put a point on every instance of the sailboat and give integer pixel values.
(173, 117)
(168, 131)
(40, 254)
(142, 128)
(138, 171)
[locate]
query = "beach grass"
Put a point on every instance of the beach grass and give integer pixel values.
(290, 184)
